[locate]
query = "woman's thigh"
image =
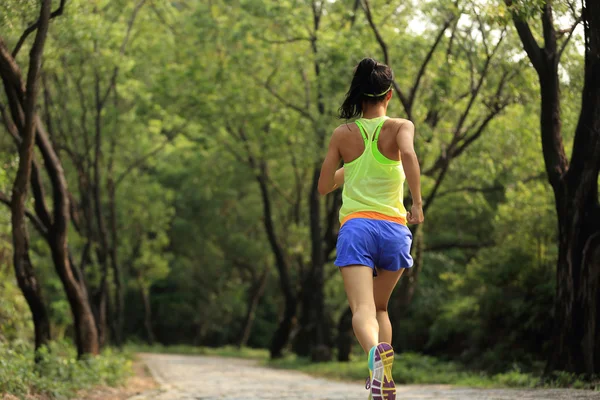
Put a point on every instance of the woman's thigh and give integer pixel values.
(358, 282)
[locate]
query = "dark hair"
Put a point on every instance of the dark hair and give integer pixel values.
(371, 82)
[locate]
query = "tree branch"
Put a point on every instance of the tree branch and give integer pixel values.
(354, 9)
(548, 28)
(288, 104)
(37, 223)
(285, 41)
(532, 48)
(451, 151)
(163, 20)
(382, 44)
(140, 161)
(438, 182)
(568, 39)
(438, 39)
(34, 26)
(8, 123)
(486, 189)
(113, 78)
(386, 57)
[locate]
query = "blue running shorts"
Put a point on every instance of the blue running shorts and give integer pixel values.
(374, 243)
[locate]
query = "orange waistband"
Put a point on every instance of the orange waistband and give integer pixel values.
(373, 215)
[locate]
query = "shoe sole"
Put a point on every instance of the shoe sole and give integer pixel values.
(382, 385)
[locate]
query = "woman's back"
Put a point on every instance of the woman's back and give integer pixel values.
(374, 177)
(352, 144)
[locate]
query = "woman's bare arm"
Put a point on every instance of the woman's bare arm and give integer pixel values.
(331, 177)
(410, 163)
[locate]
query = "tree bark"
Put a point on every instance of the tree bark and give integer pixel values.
(99, 304)
(118, 314)
(286, 324)
(407, 286)
(311, 333)
(85, 328)
(345, 336)
(147, 313)
(314, 334)
(100, 297)
(24, 272)
(255, 293)
(31, 289)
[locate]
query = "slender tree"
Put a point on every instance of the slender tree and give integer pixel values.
(24, 271)
(57, 225)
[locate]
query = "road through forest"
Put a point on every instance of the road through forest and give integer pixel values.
(207, 378)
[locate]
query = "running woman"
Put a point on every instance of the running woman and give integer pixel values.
(373, 247)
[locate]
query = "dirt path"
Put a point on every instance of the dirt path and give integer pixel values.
(207, 378)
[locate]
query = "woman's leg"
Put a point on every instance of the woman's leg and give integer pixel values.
(383, 286)
(358, 282)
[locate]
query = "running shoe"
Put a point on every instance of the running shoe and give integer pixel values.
(381, 385)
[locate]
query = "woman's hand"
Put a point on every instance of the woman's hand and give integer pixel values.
(415, 215)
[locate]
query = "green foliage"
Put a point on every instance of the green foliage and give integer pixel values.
(59, 374)
(189, 213)
(15, 317)
(499, 308)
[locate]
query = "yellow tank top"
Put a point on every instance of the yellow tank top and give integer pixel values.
(373, 184)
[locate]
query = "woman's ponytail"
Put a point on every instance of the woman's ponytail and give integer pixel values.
(370, 83)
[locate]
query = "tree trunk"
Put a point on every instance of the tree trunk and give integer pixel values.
(22, 264)
(85, 330)
(345, 336)
(86, 335)
(303, 340)
(118, 314)
(286, 324)
(102, 252)
(147, 313)
(100, 312)
(576, 339)
(313, 335)
(256, 292)
(407, 287)
(32, 292)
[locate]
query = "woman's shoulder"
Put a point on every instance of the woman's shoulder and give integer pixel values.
(345, 128)
(399, 121)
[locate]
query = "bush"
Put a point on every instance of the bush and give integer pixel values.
(15, 317)
(58, 374)
(497, 309)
